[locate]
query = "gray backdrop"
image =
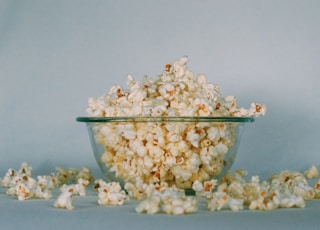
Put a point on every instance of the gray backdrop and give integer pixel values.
(54, 55)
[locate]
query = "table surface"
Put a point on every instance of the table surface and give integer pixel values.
(87, 214)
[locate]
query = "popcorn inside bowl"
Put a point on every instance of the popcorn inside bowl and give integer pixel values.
(174, 128)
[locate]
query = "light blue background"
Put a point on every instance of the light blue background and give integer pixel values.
(54, 55)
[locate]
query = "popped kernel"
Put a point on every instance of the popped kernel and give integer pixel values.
(65, 198)
(221, 200)
(312, 173)
(81, 187)
(110, 194)
(169, 200)
(150, 205)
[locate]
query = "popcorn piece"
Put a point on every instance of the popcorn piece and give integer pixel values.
(25, 169)
(317, 189)
(23, 192)
(180, 205)
(111, 194)
(71, 175)
(150, 205)
(205, 189)
(171, 201)
(81, 186)
(63, 175)
(8, 178)
(42, 193)
(312, 173)
(221, 200)
(85, 174)
(66, 197)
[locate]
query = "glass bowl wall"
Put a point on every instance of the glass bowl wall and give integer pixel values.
(174, 150)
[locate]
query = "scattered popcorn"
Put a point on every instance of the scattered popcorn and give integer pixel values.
(171, 201)
(221, 200)
(111, 194)
(205, 189)
(287, 189)
(312, 173)
(81, 187)
(180, 205)
(150, 205)
(7, 179)
(65, 198)
(23, 192)
(177, 153)
(64, 175)
(25, 169)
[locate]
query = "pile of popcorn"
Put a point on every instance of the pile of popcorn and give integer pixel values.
(287, 189)
(24, 186)
(283, 190)
(178, 153)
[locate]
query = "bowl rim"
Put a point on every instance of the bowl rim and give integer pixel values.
(165, 119)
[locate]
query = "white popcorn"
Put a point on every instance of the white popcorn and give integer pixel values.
(85, 174)
(23, 192)
(205, 189)
(221, 200)
(65, 198)
(81, 187)
(312, 173)
(7, 179)
(150, 205)
(111, 194)
(47, 182)
(180, 205)
(193, 137)
(178, 153)
(25, 169)
(63, 175)
(71, 175)
(171, 201)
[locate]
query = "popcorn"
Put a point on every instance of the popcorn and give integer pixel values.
(287, 189)
(312, 173)
(85, 174)
(23, 192)
(72, 175)
(177, 153)
(25, 169)
(180, 205)
(317, 189)
(150, 205)
(221, 200)
(65, 198)
(81, 186)
(205, 189)
(111, 194)
(8, 178)
(171, 201)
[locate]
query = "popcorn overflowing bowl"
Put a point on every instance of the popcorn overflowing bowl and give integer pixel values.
(176, 150)
(171, 130)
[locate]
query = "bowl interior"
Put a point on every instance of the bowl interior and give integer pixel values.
(174, 150)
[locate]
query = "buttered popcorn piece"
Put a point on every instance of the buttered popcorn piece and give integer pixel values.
(178, 153)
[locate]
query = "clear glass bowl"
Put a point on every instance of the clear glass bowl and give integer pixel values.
(175, 150)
